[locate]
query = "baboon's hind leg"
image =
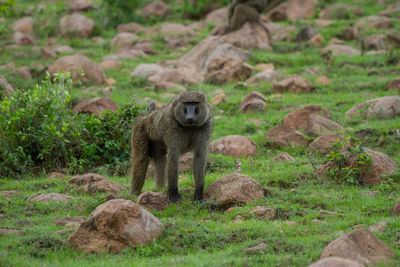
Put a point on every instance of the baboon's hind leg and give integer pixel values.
(159, 165)
(139, 158)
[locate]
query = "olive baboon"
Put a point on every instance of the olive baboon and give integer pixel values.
(165, 134)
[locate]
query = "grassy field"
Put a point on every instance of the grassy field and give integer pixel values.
(198, 234)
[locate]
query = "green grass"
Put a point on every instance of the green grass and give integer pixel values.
(201, 234)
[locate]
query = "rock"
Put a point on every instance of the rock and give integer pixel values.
(115, 225)
(394, 85)
(323, 80)
(326, 213)
(52, 197)
(218, 16)
(181, 42)
(56, 175)
(24, 73)
(253, 102)
(5, 87)
(311, 71)
(293, 10)
(318, 222)
(336, 262)
(370, 22)
(306, 33)
(316, 41)
(282, 136)
(153, 201)
(337, 50)
(239, 218)
(95, 106)
(98, 40)
(24, 25)
(144, 45)
(7, 231)
(79, 5)
(379, 228)
(111, 64)
(131, 27)
(349, 34)
(294, 84)
(77, 25)
(167, 86)
(234, 189)
(394, 37)
(264, 213)
(210, 48)
(259, 248)
(318, 125)
(361, 246)
(218, 99)
(379, 108)
(23, 223)
(21, 38)
(284, 35)
(147, 70)
(284, 156)
(223, 70)
(299, 118)
(264, 77)
(181, 75)
(75, 63)
(380, 165)
(94, 183)
(64, 49)
(156, 8)
(340, 11)
(124, 39)
(264, 66)
(234, 146)
(169, 28)
(323, 144)
(69, 221)
(231, 209)
(396, 208)
(375, 43)
(250, 36)
(8, 66)
(47, 53)
(8, 194)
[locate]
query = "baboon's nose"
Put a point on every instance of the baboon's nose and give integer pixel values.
(190, 121)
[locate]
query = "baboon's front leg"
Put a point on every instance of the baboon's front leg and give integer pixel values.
(172, 175)
(199, 167)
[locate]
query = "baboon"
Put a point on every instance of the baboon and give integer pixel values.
(164, 135)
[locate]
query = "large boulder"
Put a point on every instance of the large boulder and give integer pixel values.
(253, 102)
(115, 225)
(323, 144)
(124, 39)
(336, 262)
(218, 16)
(299, 118)
(264, 77)
(180, 75)
(5, 87)
(235, 146)
(94, 183)
(293, 10)
(210, 48)
(250, 36)
(282, 136)
(340, 11)
(24, 25)
(95, 106)
(153, 201)
(234, 189)
(156, 8)
(73, 64)
(169, 28)
(361, 246)
(146, 70)
(225, 69)
(51, 197)
(21, 38)
(380, 165)
(380, 108)
(294, 84)
(338, 49)
(374, 22)
(76, 24)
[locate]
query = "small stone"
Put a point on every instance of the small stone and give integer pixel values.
(315, 221)
(284, 156)
(110, 81)
(323, 80)
(264, 213)
(231, 209)
(239, 218)
(153, 201)
(257, 249)
(56, 175)
(317, 40)
(394, 85)
(325, 213)
(264, 66)
(379, 228)
(52, 197)
(218, 99)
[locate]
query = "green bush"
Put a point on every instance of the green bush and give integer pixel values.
(115, 12)
(197, 9)
(39, 132)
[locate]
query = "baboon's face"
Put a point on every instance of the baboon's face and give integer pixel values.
(191, 113)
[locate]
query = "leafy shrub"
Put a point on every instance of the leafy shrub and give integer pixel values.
(115, 12)
(344, 151)
(196, 9)
(38, 131)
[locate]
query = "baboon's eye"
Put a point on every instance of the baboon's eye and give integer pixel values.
(185, 110)
(196, 110)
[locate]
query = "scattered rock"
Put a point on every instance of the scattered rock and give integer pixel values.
(124, 39)
(323, 80)
(147, 70)
(323, 144)
(265, 76)
(349, 34)
(47, 53)
(110, 64)
(361, 246)
(94, 183)
(375, 43)
(394, 37)
(153, 201)
(326, 213)
(257, 249)
(8, 194)
(317, 40)
(186, 162)
(299, 118)
(24, 25)
(80, 5)
(264, 66)
(210, 48)
(394, 85)
(5, 87)
(379, 228)
(181, 75)
(169, 28)
(223, 70)
(76, 24)
(21, 38)
(319, 125)
(396, 208)
(285, 35)
(294, 84)
(167, 86)
(282, 136)
(156, 8)
(337, 50)
(235, 146)
(56, 175)
(24, 72)
(306, 33)
(73, 64)
(253, 102)
(379, 108)
(69, 221)
(264, 213)
(336, 262)
(250, 36)
(371, 22)
(63, 49)
(218, 99)
(340, 11)
(98, 40)
(131, 27)
(113, 226)
(284, 156)
(234, 189)
(52, 197)
(218, 16)
(231, 209)
(293, 10)
(318, 222)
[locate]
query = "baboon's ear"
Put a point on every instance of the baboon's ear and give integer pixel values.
(151, 107)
